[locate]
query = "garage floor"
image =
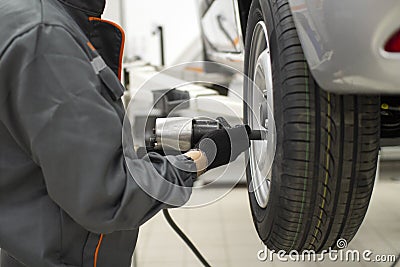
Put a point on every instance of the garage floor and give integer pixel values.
(225, 234)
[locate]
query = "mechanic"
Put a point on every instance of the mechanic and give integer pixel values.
(66, 195)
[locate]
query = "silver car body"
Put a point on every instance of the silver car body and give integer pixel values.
(342, 41)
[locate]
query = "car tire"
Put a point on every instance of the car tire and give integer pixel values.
(322, 176)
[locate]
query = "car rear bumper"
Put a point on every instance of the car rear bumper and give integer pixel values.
(343, 43)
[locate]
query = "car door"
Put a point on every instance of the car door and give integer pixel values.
(219, 22)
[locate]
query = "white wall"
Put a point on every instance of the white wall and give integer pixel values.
(113, 11)
(178, 17)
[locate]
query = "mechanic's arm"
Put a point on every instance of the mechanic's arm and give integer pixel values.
(57, 114)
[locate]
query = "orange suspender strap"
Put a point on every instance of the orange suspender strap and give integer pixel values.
(121, 51)
(96, 253)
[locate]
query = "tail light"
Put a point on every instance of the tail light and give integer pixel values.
(393, 44)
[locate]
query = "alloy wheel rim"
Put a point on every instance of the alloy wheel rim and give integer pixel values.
(260, 116)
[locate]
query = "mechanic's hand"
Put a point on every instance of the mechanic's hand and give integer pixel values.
(224, 145)
(200, 159)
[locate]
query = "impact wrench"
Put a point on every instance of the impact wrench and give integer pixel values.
(181, 134)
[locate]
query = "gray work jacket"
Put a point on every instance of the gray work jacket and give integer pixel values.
(66, 195)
